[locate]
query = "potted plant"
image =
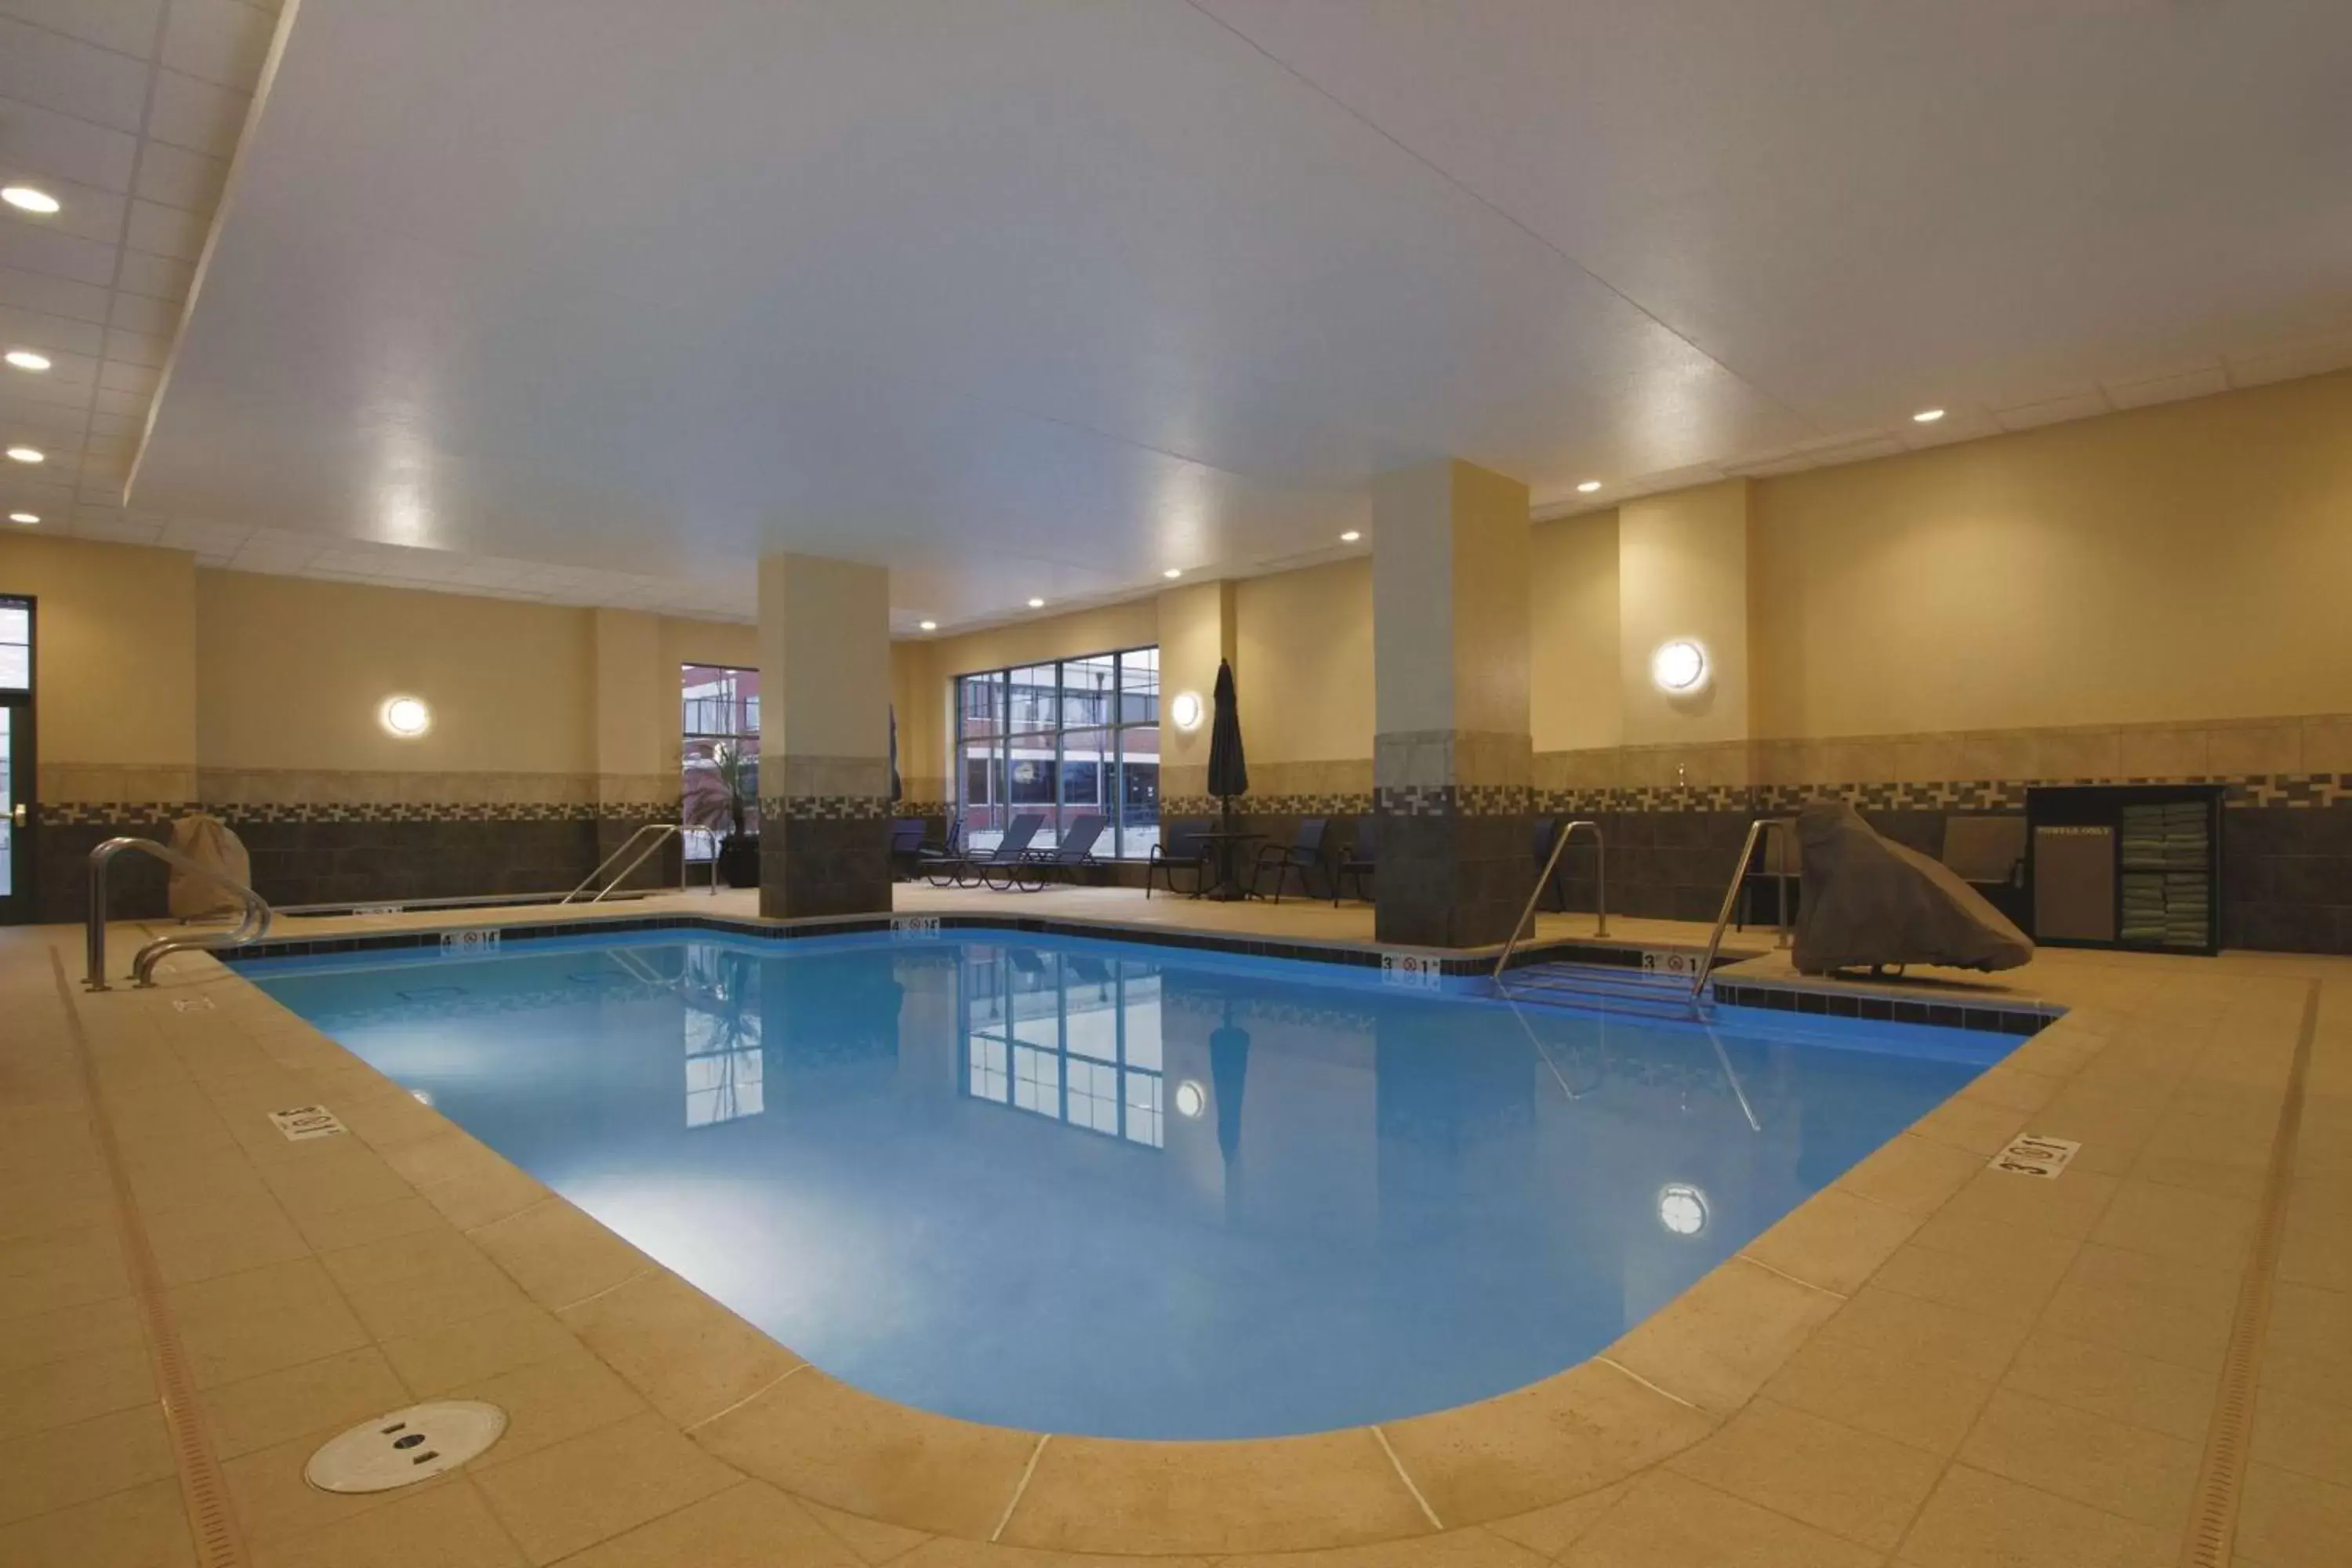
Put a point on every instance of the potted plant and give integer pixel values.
(727, 791)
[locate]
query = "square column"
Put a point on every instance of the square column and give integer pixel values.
(1451, 753)
(825, 737)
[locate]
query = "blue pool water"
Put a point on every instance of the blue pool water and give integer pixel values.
(1131, 1190)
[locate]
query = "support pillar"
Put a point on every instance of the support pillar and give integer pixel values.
(825, 737)
(1451, 753)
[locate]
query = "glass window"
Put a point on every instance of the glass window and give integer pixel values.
(1066, 739)
(720, 705)
(15, 645)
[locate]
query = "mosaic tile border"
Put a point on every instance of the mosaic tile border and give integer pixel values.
(1350, 803)
(108, 814)
(826, 808)
(1452, 800)
(2238, 790)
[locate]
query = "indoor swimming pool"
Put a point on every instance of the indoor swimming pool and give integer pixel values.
(1126, 1190)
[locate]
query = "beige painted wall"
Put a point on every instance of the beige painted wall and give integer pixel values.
(1572, 663)
(291, 674)
(1682, 572)
(115, 669)
(2184, 561)
(1304, 663)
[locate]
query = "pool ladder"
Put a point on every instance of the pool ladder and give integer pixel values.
(252, 925)
(661, 833)
(1622, 988)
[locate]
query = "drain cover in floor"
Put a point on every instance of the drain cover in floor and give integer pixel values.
(406, 1446)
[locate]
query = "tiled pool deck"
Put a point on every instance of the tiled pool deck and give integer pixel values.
(1931, 1363)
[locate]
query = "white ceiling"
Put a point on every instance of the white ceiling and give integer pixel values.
(593, 300)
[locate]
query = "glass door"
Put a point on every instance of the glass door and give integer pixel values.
(16, 761)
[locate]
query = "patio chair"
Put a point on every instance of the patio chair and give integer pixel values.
(906, 844)
(942, 862)
(1303, 854)
(1184, 846)
(1358, 862)
(1076, 848)
(1010, 859)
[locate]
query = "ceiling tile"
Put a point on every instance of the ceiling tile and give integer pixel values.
(219, 41)
(138, 313)
(167, 231)
(29, 248)
(2314, 358)
(136, 348)
(116, 377)
(54, 71)
(2200, 381)
(177, 177)
(51, 335)
(131, 403)
(158, 276)
(51, 295)
(197, 115)
(50, 146)
(2051, 411)
(126, 26)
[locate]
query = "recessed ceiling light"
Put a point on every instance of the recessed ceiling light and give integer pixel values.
(1173, 571)
(29, 198)
(25, 359)
(1350, 537)
(1036, 604)
(930, 626)
(1588, 487)
(1926, 416)
(24, 516)
(26, 455)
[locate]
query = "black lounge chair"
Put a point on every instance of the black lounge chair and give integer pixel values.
(1184, 846)
(1008, 859)
(905, 845)
(1303, 854)
(942, 862)
(1074, 848)
(1359, 861)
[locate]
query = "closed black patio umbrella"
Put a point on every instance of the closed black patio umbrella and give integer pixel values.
(896, 789)
(1228, 769)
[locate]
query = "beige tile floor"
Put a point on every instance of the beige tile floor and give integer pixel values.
(1930, 1363)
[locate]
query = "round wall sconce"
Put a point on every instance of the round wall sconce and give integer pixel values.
(1682, 1208)
(1679, 667)
(1191, 1099)
(1186, 710)
(405, 718)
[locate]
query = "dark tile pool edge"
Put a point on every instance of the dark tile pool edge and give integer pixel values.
(2018, 1018)
(1426, 962)
(2013, 1018)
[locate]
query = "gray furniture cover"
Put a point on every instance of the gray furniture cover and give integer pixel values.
(1871, 901)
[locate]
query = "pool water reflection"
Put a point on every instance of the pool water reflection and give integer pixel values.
(1125, 1190)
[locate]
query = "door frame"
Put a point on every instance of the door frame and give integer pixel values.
(21, 904)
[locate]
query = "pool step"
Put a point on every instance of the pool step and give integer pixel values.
(1612, 987)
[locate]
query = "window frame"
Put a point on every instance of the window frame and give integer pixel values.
(990, 724)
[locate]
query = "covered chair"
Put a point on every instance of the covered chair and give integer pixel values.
(1871, 902)
(206, 840)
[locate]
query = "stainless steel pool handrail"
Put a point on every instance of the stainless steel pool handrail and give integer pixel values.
(252, 925)
(1551, 863)
(1755, 830)
(663, 832)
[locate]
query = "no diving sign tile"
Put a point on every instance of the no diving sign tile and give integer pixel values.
(2028, 1155)
(306, 1121)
